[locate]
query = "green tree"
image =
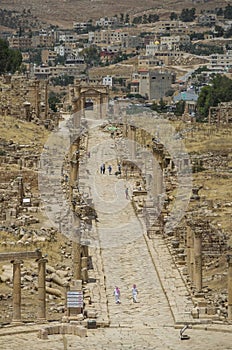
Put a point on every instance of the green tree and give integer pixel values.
(228, 12)
(35, 55)
(220, 90)
(219, 31)
(153, 18)
(159, 107)
(173, 16)
(228, 33)
(63, 80)
(145, 20)
(53, 100)
(127, 18)
(91, 55)
(180, 107)
(188, 15)
(137, 20)
(10, 59)
(219, 11)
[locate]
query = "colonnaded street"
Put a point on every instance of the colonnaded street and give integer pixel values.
(123, 256)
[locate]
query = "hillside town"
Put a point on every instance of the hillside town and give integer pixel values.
(115, 181)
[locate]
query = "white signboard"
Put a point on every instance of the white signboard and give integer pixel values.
(75, 299)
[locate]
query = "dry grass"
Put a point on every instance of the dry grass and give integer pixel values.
(21, 132)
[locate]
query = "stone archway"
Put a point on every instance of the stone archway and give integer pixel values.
(89, 105)
(88, 97)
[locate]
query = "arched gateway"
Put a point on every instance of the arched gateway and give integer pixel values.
(90, 97)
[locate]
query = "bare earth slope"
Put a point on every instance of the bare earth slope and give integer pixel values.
(64, 12)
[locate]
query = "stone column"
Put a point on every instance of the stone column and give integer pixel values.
(41, 290)
(37, 98)
(27, 112)
(20, 189)
(17, 291)
(76, 248)
(133, 142)
(230, 287)
(74, 165)
(84, 268)
(67, 289)
(190, 253)
(101, 106)
(198, 260)
(46, 99)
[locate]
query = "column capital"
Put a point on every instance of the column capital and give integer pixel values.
(42, 260)
(198, 234)
(17, 261)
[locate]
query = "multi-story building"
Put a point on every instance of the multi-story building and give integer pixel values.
(133, 41)
(42, 72)
(70, 70)
(67, 38)
(46, 39)
(173, 42)
(167, 26)
(20, 42)
(100, 36)
(207, 19)
(108, 36)
(48, 56)
(107, 80)
(63, 50)
(154, 84)
(73, 60)
(220, 62)
(106, 22)
(160, 53)
(134, 84)
(80, 25)
(148, 62)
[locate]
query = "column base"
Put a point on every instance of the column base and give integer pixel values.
(41, 320)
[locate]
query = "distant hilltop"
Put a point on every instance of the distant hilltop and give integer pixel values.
(63, 12)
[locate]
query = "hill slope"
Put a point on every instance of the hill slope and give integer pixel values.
(64, 12)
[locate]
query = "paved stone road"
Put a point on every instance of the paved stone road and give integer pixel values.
(133, 338)
(126, 258)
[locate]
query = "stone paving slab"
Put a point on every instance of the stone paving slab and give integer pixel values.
(121, 338)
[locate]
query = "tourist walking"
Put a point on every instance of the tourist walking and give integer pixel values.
(110, 169)
(117, 295)
(134, 293)
(102, 169)
(127, 193)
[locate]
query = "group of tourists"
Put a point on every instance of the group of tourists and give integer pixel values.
(117, 294)
(103, 169)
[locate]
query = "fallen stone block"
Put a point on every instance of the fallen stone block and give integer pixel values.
(43, 334)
